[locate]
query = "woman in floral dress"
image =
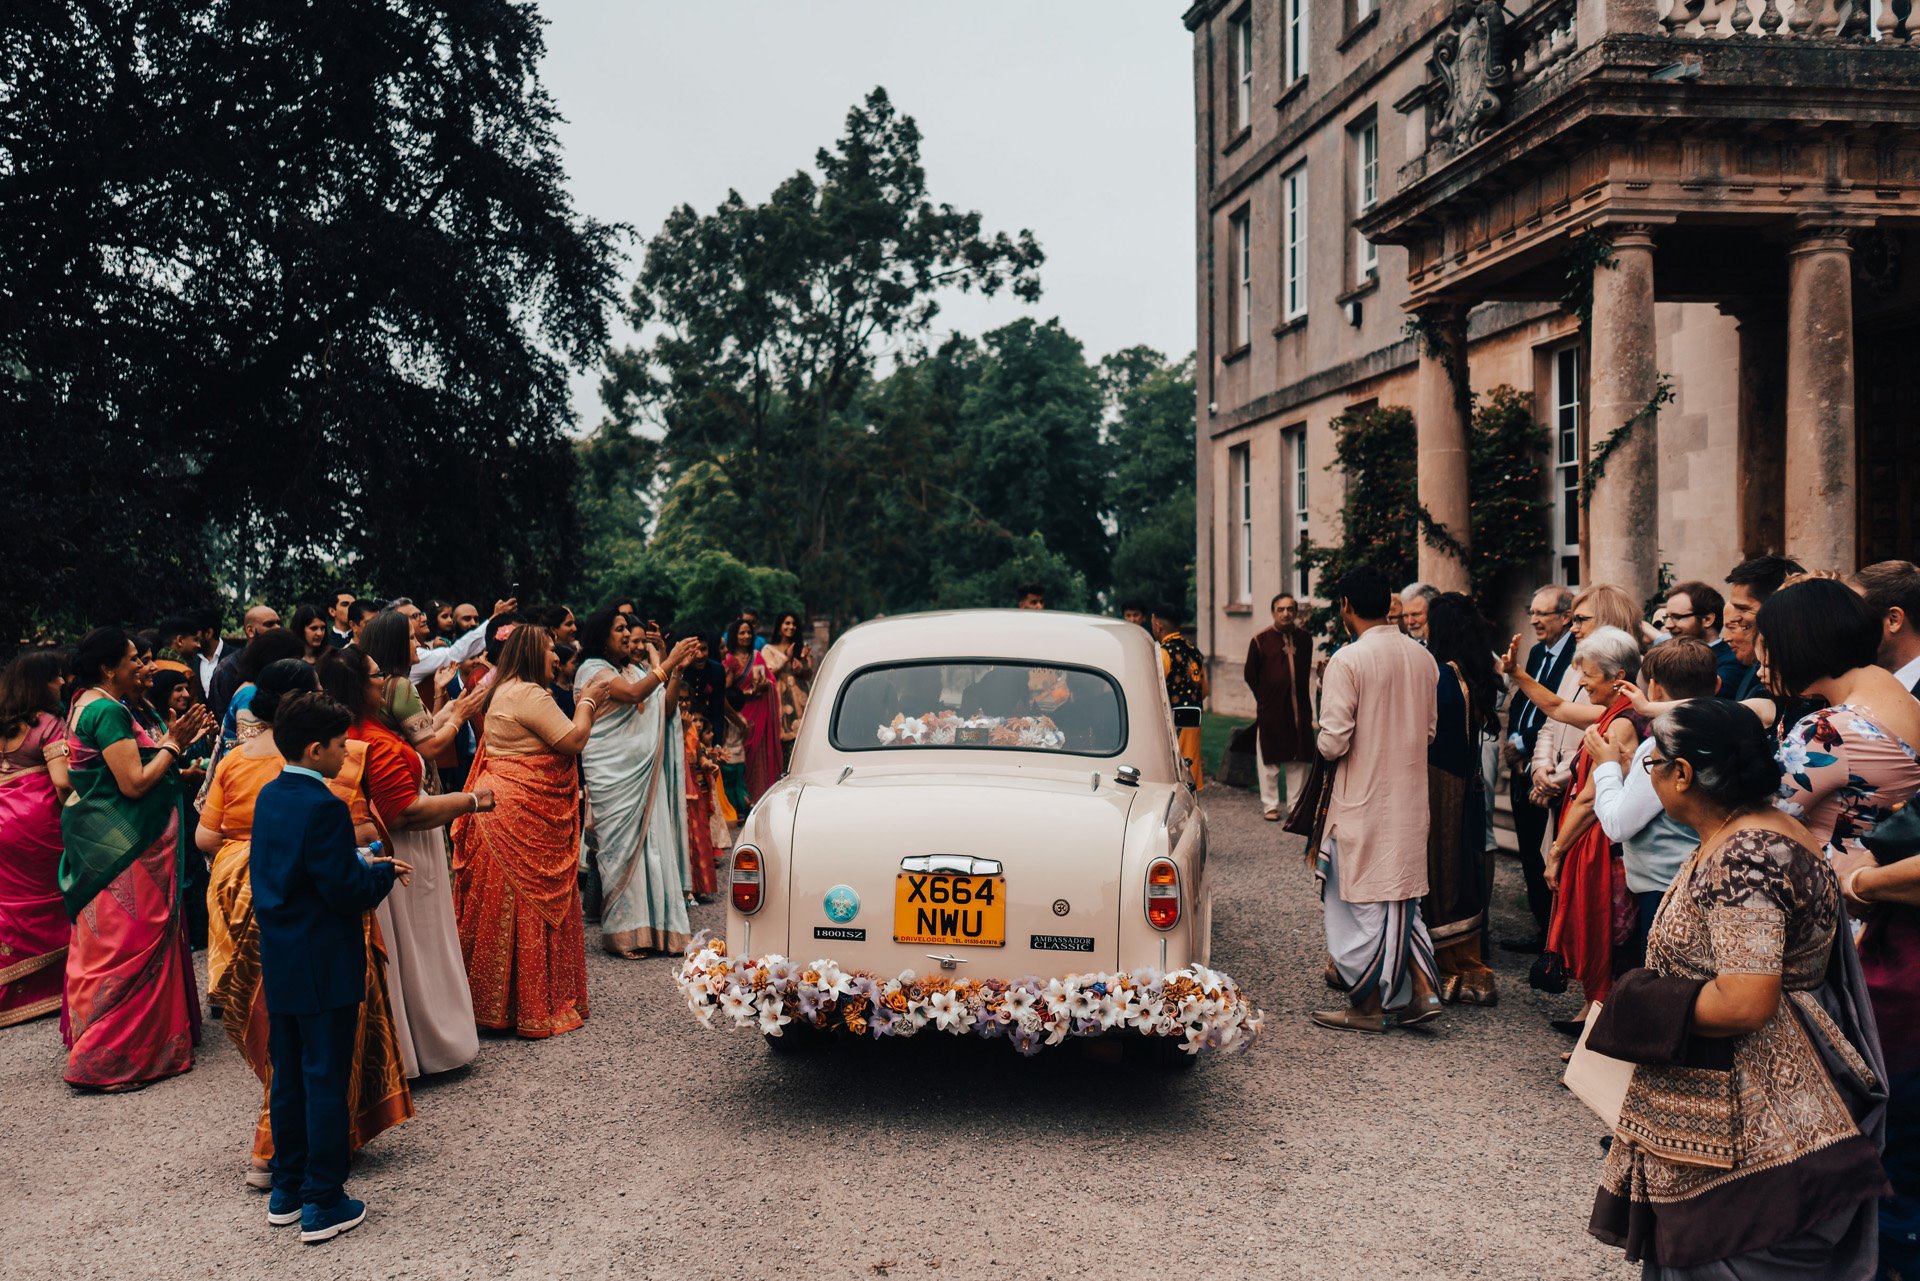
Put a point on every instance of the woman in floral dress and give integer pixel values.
(1847, 768)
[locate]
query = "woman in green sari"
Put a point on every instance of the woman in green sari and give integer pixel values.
(132, 1015)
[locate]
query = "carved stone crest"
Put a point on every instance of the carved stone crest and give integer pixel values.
(1470, 60)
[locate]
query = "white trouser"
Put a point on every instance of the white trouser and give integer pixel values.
(1375, 946)
(1270, 777)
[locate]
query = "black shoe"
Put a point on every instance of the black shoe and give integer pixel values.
(1527, 947)
(1572, 1027)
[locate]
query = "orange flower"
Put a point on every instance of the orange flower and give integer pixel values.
(897, 1001)
(856, 1025)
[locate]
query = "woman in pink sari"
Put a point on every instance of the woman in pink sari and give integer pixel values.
(132, 1015)
(750, 679)
(33, 781)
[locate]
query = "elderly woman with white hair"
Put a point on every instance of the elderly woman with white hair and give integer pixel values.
(1583, 866)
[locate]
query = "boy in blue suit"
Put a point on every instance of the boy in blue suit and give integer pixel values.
(311, 889)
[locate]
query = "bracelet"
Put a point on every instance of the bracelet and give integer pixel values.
(659, 674)
(169, 747)
(474, 798)
(1846, 886)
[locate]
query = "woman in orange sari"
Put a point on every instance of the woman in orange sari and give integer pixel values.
(377, 1094)
(517, 867)
(1592, 911)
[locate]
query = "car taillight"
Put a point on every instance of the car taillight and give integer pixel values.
(1163, 894)
(747, 879)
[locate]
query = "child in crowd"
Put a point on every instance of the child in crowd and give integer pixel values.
(311, 888)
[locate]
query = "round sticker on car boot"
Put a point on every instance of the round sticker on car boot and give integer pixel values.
(841, 904)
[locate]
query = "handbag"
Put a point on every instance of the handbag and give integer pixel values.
(1896, 837)
(1596, 1080)
(1308, 817)
(1548, 973)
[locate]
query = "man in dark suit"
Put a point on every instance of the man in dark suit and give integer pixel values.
(311, 892)
(1748, 585)
(1547, 662)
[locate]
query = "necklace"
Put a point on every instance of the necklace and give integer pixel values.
(1731, 815)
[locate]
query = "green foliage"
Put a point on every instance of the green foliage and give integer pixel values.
(1153, 560)
(1376, 452)
(766, 322)
(1506, 465)
(1647, 415)
(1585, 254)
(1027, 560)
(290, 293)
(713, 587)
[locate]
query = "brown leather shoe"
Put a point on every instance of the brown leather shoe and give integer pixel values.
(1419, 1010)
(1350, 1020)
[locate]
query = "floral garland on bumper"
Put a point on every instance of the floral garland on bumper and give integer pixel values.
(1203, 1007)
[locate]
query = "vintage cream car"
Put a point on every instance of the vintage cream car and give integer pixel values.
(985, 830)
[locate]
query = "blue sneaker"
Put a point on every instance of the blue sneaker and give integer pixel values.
(324, 1223)
(283, 1207)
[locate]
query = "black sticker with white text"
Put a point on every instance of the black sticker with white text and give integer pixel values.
(840, 933)
(1061, 943)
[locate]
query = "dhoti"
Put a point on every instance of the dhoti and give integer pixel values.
(1375, 946)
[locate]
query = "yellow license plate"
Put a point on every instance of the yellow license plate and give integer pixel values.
(950, 908)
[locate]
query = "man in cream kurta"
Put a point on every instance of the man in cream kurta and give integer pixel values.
(1377, 716)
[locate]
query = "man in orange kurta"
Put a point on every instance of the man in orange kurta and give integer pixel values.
(1378, 713)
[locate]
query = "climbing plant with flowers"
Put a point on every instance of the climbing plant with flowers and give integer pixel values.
(1205, 1009)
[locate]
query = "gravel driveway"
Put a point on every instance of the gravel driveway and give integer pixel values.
(643, 1147)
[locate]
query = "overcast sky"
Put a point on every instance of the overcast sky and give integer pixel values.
(1073, 118)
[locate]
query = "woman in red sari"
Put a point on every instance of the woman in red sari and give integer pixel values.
(1592, 911)
(33, 782)
(750, 679)
(132, 1015)
(516, 865)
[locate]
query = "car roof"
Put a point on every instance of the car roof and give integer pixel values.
(1094, 640)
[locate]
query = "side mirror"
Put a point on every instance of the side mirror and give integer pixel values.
(1186, 716)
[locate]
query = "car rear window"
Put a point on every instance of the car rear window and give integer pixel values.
(981, 703)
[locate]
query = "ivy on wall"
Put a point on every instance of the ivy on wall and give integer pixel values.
(1647, 415)
(1382, 520)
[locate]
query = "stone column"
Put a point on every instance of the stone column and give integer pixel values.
(1821, 458)
(1760, 449)
(1440, 415)
(1623, 518)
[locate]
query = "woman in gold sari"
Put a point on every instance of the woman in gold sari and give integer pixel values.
(517, 867)
(377, 1095)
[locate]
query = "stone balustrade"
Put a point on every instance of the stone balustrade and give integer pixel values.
(1806, 19)
(1541, 37)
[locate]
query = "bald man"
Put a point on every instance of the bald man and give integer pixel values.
(226, 675)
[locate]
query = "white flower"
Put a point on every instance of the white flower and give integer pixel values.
(1019, 1003)
(738, 1006)
(834, 981)
(1081, 1005)
(948, 1012)
(1057, 994)
(773, 1014)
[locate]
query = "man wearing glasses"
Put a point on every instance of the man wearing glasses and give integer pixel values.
(1547, 663)
(1696, 610)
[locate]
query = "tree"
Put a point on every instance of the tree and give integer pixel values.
(1380, 519)
(768, 320)
(1150, 491)
(1506, 474)
(290, 292)
(1030, 443)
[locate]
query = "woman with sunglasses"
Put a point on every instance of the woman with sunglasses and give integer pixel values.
(1737, 1153)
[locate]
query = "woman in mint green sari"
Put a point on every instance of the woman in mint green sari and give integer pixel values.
(634, 770)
